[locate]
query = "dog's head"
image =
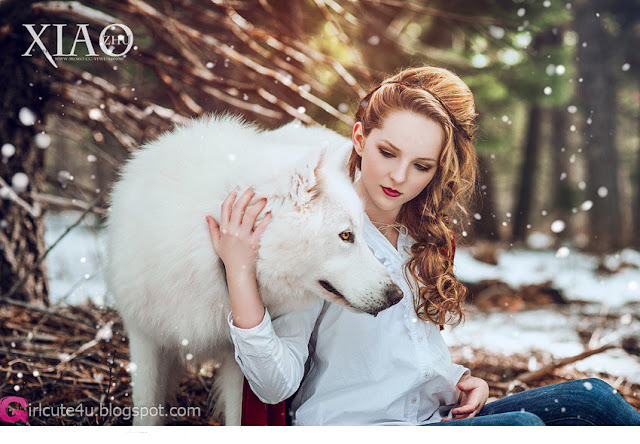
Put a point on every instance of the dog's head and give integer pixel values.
(315, 245)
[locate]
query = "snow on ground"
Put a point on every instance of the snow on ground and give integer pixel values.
(76, 274)
(574, 275)
(76, 265)
(554, 330)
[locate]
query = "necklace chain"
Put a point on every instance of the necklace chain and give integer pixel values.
(397, 226)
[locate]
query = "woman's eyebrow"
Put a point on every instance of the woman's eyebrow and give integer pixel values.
(397, 149)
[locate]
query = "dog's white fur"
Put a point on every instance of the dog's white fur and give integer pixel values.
(169, 285)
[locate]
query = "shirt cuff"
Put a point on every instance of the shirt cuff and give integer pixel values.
(255, 341)
(459, 372)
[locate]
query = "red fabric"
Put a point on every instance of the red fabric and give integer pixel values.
(453, 246)
(257, 413)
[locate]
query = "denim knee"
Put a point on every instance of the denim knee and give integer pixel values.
(523, 419)
(596, 385)
(599, 390)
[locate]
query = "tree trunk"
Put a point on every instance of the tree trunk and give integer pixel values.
(635, 235)
(597, 100)
(528, 168)
(486, 227)
(562, 197)
(23, 88)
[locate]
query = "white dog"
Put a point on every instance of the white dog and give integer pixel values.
(168, 283)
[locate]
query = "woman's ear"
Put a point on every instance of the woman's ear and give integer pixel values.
(358, 138)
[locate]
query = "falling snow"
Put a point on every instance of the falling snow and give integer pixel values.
(557, 226)
(42, 140)
(20, 182)
(496, 31)
(8, 150)
(26, 117)
(602, 192)
(586, 205)
(374, 40)
(95, 114)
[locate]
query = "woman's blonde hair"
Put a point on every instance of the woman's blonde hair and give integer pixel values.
(440, 95)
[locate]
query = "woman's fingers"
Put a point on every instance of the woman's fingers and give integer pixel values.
(214, 232)
(250, 215)
(262, 226)
(225, 208)
(237, 212)
(462, 410)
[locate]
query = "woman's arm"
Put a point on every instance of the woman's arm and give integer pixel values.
(271, 354)
(236, 243)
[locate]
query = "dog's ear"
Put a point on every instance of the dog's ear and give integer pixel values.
(307, 181)
(338, 156)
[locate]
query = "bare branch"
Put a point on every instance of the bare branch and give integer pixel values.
(75, 9)
(17, 285)
(34, 211)
(436, 13)
(66, 203)
(532, 376)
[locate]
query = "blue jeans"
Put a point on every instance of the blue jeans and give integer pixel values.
(583, 402)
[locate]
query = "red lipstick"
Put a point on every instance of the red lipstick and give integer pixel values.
(391, 192)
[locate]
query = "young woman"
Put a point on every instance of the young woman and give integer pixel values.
(413, 164)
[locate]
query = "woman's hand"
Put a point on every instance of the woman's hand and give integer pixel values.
(235, 241)
(475, 392)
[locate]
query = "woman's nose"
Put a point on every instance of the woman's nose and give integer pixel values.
(399, 174)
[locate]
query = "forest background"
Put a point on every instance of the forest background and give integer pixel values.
(556, 85)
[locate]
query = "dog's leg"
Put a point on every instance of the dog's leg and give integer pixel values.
(170, 371)
(148, 384)
(229, 383)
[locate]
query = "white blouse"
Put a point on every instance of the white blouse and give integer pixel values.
(393, 369)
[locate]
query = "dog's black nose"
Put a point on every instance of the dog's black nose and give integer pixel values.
(393, 294)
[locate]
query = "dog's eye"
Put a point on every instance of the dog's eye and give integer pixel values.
(347, 236)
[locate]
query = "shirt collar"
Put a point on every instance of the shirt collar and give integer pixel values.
(385, 250)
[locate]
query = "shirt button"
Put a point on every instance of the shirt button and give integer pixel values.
(420, 339)
(426, 375)
(414, 400)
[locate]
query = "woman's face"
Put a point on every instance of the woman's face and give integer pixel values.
(398, 162)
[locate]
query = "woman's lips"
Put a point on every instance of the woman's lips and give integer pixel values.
(391, 192)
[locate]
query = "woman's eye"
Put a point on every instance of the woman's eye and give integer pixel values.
(385, 153)
(347, 236)
(422, 168)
